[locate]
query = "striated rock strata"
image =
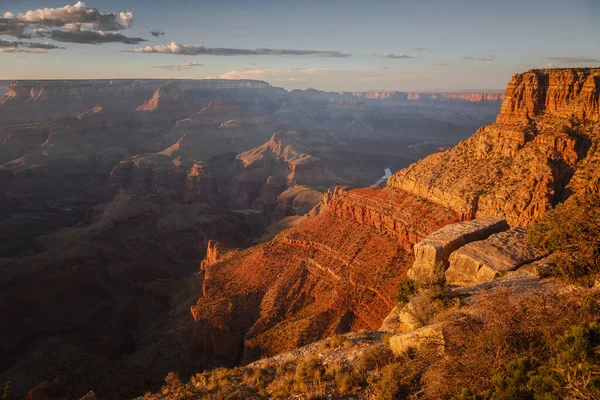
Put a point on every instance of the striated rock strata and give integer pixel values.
(335, 271)
(542, 148)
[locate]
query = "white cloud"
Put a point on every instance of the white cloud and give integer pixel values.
(291, 74)
(23, 50)
(395, 56)
(178, 67)
(480, 59)
(69, 22)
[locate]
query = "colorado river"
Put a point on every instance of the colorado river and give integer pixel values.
(388, 173)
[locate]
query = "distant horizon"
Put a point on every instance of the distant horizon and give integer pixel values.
(441, 90)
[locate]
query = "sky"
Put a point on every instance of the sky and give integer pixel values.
(409, 45)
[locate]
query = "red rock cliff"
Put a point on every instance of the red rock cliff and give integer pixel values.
(564, 93)
(542, 149)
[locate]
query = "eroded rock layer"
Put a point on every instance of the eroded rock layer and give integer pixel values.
(542, 148)
(334, 272)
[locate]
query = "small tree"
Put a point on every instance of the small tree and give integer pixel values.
(406, 289)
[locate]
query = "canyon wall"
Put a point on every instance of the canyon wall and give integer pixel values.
(542, 149)
(474, 97)
(562, 93)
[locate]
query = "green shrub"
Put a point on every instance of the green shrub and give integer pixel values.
(573, 372)
(406, 289)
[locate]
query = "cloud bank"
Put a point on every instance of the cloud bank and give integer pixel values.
(179, 67)
(157, 33)
(75, 24)
(7, 46)
(78, 13)
(179, 49)
(479, 59)
(573, 60)
(394, 56)
(92, 37)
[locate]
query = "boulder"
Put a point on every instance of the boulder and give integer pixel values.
(401, 320)
(430, 334)
(432, 253)
(488, 259)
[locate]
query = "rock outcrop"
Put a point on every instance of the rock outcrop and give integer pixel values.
(541, 149)
(427, 335)
(432, 253)
(396, 214)
(303, 158)
(564, 93)
(488, 259)
(169, 103)
(335, 271)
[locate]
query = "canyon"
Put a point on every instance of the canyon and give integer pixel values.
(364, 241)
(186, 225)
(111, 192)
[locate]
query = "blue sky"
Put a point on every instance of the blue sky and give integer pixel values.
(359, 45)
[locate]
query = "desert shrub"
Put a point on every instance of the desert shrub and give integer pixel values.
(280, 387)
(572, 232)
(502, 326)
(347, 381)
(403, 377)
(285, 368)
(310, 379)
(172, 380)
(373, 358)
(253, 376)
(337, 341)
(389, 386)
(514, 382)
(427, 304)
(405, 290)
(343, 377)
(238, 392)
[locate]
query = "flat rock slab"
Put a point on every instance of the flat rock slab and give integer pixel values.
(430, 334)
(433, 252)
(488, 259)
